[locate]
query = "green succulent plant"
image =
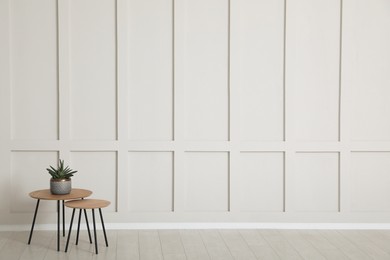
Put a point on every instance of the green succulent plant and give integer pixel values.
(61, 172)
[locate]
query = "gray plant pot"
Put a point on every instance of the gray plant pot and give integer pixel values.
(60, 186)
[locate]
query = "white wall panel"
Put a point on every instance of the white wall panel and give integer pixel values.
(370, 172)
(257, 49)
(201, 29)
(34, 69)
(93, 69)
(150, 69)
(207, 181)
(261, 181)
(312, 67)
(28, 173)
(97, 171)
(366, 62)
(316, 182)
(198, 110)
(150, 181)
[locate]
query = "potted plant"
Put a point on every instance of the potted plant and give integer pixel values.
(60, 182)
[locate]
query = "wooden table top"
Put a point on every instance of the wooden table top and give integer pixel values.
(87, 204)
(74, 194)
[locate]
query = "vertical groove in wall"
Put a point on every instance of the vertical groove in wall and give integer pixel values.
(228, 73)
(119, 135)
(229, 167)
(284, 68)
(58, 71)
(339, 184)
(173, 72)
(11, 123)
(173, 105)
(340, 69)
(284, 102)
(68, 102)
(339, 118)
(59, 91)
(284, 182)
(229, 105)
(116, 73)
(116, 180)
(173, 181)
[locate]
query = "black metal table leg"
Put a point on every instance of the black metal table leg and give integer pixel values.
(78, 228)
(58, 225)
(63, 218)
(104, 229)
(89, 231)
(33, 223)
(70, 230)
(94, 230)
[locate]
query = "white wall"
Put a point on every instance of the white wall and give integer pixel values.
(199, 110)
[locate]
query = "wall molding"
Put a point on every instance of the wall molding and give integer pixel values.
(251, 79)
(241, 225)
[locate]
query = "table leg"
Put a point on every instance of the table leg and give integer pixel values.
(94, 230)
(89, 231)
(33, 223)
(58, 225)
(70, 230)
(104, 229)
(63, 218)
(78, 228)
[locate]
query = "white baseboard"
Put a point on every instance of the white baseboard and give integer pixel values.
(116, 226)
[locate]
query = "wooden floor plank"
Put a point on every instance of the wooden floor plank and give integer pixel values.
(385, 233)
(378, 238)
(304, 248)
(259, 246)
(365, 244)
(345, 246)
(215, 245)
(326, 248)
(52, 253)
(171, 245)
(127, 245)
(149, 245)
(193, 245)
(14, 246)
(237, 245)
(4, 237)
(37, 250)
(106, 253)
(202, 245)
(281, 246)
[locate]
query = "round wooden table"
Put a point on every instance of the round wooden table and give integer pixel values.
(87, 204)
(46, 195)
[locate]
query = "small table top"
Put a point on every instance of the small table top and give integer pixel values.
(87, 204)
(46, 195)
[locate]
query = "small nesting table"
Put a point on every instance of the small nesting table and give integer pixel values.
(87, 204)
(46, 195)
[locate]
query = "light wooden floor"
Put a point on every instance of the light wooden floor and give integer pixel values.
(205, 244)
